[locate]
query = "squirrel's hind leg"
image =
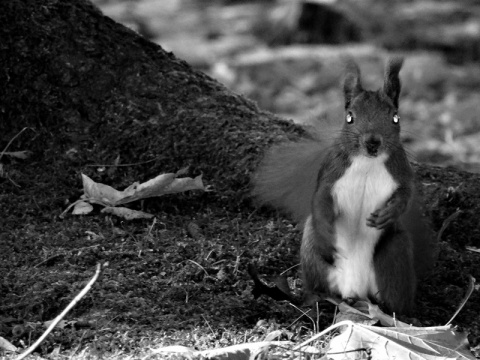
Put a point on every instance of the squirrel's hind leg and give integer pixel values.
(394, 271)
(314, 261)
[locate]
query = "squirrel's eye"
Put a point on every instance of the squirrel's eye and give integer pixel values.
(396, 119)
(349, 118)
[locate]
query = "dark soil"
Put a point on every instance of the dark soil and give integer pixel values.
(91, 91)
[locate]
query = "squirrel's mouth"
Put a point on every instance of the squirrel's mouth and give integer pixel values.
(372, 153)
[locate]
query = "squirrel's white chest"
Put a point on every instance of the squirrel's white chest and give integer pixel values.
(365, 187)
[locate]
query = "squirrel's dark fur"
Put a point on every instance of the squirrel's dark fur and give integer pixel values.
(355, 197)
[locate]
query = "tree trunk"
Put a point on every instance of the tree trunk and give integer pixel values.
(93, 90)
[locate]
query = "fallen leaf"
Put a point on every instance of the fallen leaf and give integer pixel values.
(98, 193)
(366, 313)
(6, 345)
(62, 324)
(434, 343)
(82, 208)
(274, 292)
(194, 231)
(244, 351)
(356, 313)
(103, 194)
(274, 335)
(221, 274)
(184, 184)
(18, 154)
(311, 350)
(150, 188)
(93, 236)
(162, 184)
(126, 213)
(175, 349)
(241, 351)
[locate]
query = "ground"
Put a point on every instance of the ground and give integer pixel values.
(95, 92)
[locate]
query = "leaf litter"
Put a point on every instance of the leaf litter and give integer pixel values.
(110, 198)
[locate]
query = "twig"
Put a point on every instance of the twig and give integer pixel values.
(213, 332)
(119, 165)
(252, 213)
(150, 228)
(471, 287)
(304, 313)
(62, 215)
(349, 323)
(10, 142)
(290, 268)
(54, 323)
(472, 248)
(48, 259)
(19, 305)
(11, 180)
(200, 266)
(66, 252)
(447, 222)
(318, 315)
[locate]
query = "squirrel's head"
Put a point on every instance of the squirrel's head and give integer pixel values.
(372, 124)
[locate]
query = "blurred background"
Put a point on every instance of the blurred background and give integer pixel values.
(287, 55)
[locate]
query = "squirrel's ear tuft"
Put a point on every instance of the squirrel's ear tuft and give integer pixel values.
(391, 85)
(352, 85)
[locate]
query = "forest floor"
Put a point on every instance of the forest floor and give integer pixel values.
(181, 279)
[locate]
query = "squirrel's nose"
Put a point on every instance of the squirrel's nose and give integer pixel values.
(372, 143)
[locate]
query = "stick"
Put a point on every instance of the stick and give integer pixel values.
(120, 165)
(471, 287)
(10, 142)
(327, 330)
(447, 222)
(77, 298)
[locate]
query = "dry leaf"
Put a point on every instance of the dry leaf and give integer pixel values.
(102, 194)
(6, 345)
(163, 184)
(174, 349)
(241, 351)
(275, 334)
(244, 351)
(82, 208)
(358, 313)
(311, 350)
(385, 320)
(62, 324)
(194, 231)
(18, 154)
(93, 236)
(185, 184)
(434, 343)
(126, 213)
(150, 188)
(366, 313)
(98, 193)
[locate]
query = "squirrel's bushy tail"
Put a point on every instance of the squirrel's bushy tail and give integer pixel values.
(287, 176)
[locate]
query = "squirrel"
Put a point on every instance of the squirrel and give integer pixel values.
(363, 234)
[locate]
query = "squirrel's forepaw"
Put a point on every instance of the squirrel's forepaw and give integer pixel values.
(382, 218)
(372, 219)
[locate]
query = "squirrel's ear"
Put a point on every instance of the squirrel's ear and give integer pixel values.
(352, 85)
(391, 85)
